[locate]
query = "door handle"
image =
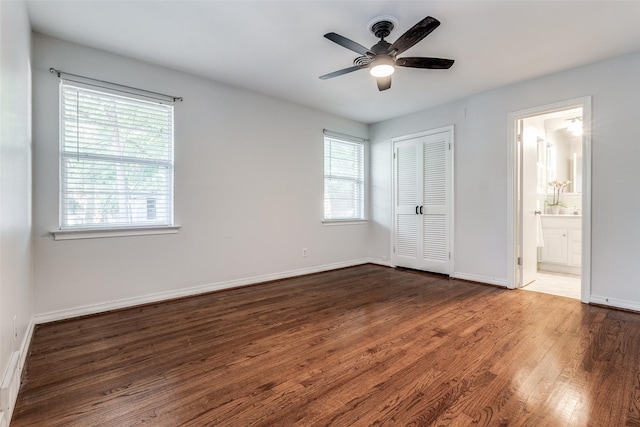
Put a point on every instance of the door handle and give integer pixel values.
(537, 213)
(420, 210)
(417, 209)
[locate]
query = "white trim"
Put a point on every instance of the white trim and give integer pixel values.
(512, 208)
(10, 383)
(392, 208)
(96, 233)
(420, 134)
(26, 343)
(586, 199)
(23, 351)
(452, 197)
(512, 211)
(331, 222)
(380, 262)
(615, 303)
(179, 293)
(480, 279)
(343, 136)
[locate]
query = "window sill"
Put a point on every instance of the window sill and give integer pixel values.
(97, 233)
(331, 222)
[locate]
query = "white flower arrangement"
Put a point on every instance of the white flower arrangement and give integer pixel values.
(558, 187)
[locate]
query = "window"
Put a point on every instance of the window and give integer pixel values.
(343, 178)
(116, 160)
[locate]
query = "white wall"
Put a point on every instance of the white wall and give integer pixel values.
(248, 185)
(481, 173)
(15, 178)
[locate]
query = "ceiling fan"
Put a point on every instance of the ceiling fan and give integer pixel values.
(382, 58)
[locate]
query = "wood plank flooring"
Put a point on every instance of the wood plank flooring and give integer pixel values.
(361, 346)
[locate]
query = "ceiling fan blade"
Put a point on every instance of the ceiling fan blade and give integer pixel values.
(345, 42)
(384, 83)
(431, 63)
(343, 71)
(416, 33)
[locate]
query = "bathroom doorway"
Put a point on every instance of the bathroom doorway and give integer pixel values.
(551, 199)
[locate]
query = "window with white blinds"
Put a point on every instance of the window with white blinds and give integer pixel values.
(116, 160)
(343, 179)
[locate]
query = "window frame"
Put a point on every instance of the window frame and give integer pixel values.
(87, 230)
(362, 181)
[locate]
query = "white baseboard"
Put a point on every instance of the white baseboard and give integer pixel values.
(26, 343)
(10, 380)
(614, 302)
(179, 293)
(480, 279)
(379, 262)
(10, 385)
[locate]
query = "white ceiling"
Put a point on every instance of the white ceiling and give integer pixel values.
(277, 47)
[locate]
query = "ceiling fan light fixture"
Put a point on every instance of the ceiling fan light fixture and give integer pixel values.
(382, 66)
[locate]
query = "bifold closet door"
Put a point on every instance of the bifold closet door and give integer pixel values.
(422, 202)
(408, 195)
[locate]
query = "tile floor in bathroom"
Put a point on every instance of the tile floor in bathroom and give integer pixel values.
(564, 285)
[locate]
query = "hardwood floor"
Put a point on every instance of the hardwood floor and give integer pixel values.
(361, 346)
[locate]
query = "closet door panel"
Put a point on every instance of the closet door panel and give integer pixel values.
(408, 200)
(435, 200)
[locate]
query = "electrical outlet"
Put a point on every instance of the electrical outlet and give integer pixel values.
(15, 329)
(304, 252)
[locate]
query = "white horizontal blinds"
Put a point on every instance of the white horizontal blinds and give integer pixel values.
(116, 160)
(343, 178)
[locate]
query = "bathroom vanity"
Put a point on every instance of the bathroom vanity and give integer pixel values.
(562, 250)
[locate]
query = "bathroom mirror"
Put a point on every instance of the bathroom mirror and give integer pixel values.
(564, 158)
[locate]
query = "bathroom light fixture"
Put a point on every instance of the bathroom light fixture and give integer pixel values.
(574, 126)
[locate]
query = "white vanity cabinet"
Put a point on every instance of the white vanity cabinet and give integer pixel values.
(562, 250)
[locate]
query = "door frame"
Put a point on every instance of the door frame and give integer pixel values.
(450, 207)
(513, 234)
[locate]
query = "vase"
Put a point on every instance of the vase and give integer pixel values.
(554, 209)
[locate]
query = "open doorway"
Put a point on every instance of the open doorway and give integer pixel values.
(551, 199)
